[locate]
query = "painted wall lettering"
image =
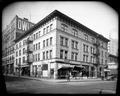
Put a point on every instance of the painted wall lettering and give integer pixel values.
(23, 25)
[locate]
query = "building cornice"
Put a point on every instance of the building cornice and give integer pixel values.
(64, 17)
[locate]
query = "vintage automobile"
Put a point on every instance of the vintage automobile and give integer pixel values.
(111, 77)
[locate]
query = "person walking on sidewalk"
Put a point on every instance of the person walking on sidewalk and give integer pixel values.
(68, 76)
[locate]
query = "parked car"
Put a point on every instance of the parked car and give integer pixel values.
(111, 77)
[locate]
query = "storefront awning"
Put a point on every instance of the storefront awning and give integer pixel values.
(66, 68)
(106, 70)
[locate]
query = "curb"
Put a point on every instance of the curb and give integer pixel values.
(54, 80)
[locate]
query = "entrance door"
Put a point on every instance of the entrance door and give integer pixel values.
(92, 71)
(52, 73)
(45, 70)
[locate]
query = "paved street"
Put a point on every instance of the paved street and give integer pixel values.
(22, 85)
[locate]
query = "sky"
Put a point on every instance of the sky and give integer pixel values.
(97, 16)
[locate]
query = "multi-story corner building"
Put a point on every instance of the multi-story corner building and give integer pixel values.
(58, 41)
(16, 27)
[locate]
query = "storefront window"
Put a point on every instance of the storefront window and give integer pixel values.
(45, 67)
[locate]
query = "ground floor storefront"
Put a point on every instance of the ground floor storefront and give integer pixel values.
(8, 69)
(56, 69)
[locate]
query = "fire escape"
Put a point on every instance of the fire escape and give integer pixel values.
(97, 54)
(29, 52)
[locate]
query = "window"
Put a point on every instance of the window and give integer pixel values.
(66, 52)
(50, 40)
(85, 58)
(50, 54)
(47, 30)
(43, 43)
(45, 67)
(61, 41)
(92, 50)
(19, 44)
(46, 54)
(23, 50)
(16, 61)
(76, 54)
(34, 46)
(24, 42)
(101, 61)
(19, 52)
(92, 59)
(46, 42)
(76, 45)
(34, 37)
(51, 25)
(102, 44)
(23, 59)
(16, 53)
(105, 61)
(72, 44)
(61, 54)
(72, 56)
(39, 33)
(33, 57)
(93, 40)
(44, 31)
(102, 53)
(19, 60)
(39, 45)
(75, 32)
(66, 42)
(38, 56)
(85, 48)
(43, 55)
(105, 54)
(64, 27)
(86, 36)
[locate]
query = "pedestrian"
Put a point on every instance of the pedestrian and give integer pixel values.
(68, 76)
(102, 76)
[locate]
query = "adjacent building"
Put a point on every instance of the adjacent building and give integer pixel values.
(113, 64)
(59, 41)
(113, 46)
(14, 30)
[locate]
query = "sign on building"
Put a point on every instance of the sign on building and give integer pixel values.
(23, 24)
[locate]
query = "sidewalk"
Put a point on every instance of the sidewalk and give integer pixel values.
(57, 80)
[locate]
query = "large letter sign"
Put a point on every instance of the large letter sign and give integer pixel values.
(23, 25)
(19, 24)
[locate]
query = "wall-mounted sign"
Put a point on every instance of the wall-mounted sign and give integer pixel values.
(23, 24)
